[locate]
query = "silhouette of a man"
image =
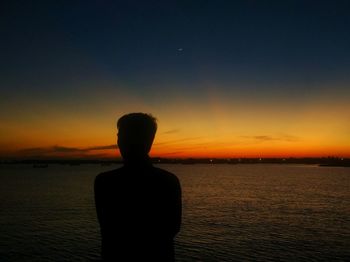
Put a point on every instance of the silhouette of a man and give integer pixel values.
(138, 205)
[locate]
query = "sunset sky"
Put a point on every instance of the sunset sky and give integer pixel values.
(223, 78)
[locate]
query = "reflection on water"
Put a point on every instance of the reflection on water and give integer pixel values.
(230, 213)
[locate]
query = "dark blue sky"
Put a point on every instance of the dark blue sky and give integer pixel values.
(137, 42)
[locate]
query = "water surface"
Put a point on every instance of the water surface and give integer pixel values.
(245, 212)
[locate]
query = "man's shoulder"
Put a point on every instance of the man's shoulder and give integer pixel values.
(165, 173)
(160, 170)
(125, 174)
(107, 175)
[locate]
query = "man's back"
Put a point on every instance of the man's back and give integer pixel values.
(139, 211)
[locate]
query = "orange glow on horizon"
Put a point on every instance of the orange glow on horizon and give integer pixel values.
(211, 127)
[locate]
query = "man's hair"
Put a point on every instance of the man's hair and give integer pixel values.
(138, 122)
(136, 132)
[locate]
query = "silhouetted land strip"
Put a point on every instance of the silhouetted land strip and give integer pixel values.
(324, 161)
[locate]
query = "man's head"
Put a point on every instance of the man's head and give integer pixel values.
(136, 133)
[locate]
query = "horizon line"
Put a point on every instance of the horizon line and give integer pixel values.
(43, 158)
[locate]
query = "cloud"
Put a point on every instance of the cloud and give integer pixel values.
(172, 131)
(63, 149)
(290, 138)
(176, 141)
(264, 138)
(173, 153)
(102, 147)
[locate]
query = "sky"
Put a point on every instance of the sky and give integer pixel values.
(223, 78)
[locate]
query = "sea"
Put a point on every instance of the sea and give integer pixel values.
(243, 212)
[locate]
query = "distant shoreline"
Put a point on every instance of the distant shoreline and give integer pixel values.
(324, 161)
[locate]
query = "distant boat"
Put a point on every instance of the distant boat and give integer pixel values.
(40, 165)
